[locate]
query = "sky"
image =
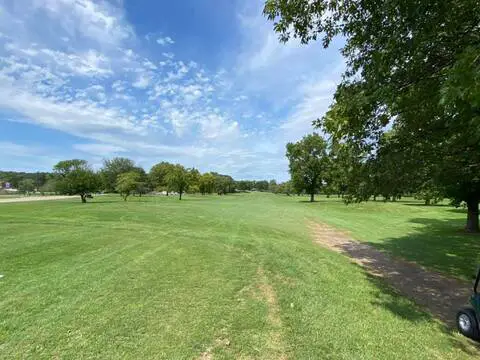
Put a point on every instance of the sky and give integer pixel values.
(203, 83)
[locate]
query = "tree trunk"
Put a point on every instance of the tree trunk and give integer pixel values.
(374, 197)
(84, 198)
(180, 193)
(427, 201)
(472, 216)
(312, 197)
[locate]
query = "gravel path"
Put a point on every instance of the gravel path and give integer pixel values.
(38, 198)
(440, 295)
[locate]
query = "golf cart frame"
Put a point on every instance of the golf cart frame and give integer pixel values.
(468, 319)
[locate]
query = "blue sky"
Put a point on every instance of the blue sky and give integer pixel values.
(201, 83)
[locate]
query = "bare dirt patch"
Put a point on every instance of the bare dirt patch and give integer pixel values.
(440, 295)
(275, 344)
(207, 354)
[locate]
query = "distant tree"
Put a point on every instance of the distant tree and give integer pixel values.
(430, 193)
(158, 175)
(261, 185)
(207, 183)
(75, 177)
(308, 163)
(194, 178)
(127, 183)
(26, 186)
(49, 186)
(14, 178)
(143, 183)
(224, 184)
(112, 168)
(178, 180)
(272, 186)
(245, 185)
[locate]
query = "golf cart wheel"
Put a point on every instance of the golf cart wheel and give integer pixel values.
(467, 323)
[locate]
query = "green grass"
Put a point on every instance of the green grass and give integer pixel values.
(431, 236)
(156, 278)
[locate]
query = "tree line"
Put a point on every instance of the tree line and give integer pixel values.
(406, 115)
(121, 175)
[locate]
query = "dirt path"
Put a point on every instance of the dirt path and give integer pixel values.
(440, 295)
(37, 198)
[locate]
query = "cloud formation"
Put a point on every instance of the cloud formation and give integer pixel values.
(78, 67)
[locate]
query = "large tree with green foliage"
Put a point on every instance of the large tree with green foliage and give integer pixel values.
(112, 168)
(206, 183)
(308, 163)
(158, 175)
(128, 183)
(75, 177)
(178, 180)
(224, 184)
(413, 65)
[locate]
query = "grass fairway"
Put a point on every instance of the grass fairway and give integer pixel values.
(234, 277)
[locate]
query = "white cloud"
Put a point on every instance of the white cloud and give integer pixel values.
(167, 40)
(99, 20)
(216, 126)
(95, 149)
(142, 82)
(8, 148)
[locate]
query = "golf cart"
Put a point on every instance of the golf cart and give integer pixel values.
(468, 319)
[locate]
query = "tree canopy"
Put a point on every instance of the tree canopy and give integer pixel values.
(26, 186)
(112, 168)
(178, 180)
(127, 183)
(413, 68)
(75, 177)
(308, 163)
(158, 175)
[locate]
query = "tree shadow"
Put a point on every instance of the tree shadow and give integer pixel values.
(425, 205)
(388, 298)
(439, 244)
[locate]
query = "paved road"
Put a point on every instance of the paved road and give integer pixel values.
(36, 198)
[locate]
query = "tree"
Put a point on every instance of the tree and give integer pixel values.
(261, 185)
(206, 183)
(158, 175)
(26, 186)
(308, 163)
(411, 65)
(49, 187)
(112, 168)
(224, 184)
(75, 177)
(127, 183)
(143, 182)
(245, 185)
(284, 188)
(429, 193)
(178, 180)
(194, 180)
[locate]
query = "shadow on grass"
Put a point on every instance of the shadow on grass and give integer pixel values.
(424, 205)
(441, 245)
(389, 299)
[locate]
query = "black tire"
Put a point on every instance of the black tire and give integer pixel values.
(467, 323)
